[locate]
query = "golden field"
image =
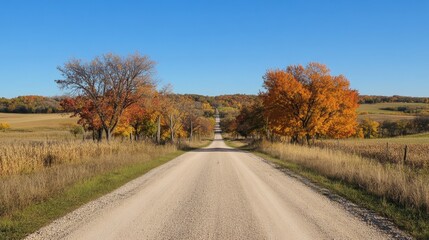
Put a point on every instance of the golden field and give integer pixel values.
(18, 121)
(37, 126)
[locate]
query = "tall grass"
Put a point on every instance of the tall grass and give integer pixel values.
(396, 182)
(31, 171)
(20, 156)
(384, 151)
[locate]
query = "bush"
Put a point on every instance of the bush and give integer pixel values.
(77, 129)
(4, 126)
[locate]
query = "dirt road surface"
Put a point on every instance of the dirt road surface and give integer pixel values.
(214, 193)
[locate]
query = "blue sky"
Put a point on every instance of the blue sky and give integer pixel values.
(219, 47)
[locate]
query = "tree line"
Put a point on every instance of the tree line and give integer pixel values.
(117, 96)
(368, 99)
(369, 128)
(31, 104)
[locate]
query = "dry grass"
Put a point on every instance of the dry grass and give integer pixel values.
(20, 156)
(31, 171)
(39, 127)
(385, 117)
(392, 181)
(37, 121)
(389, 150)
(36, 135)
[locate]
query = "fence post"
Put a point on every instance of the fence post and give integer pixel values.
(405, 153)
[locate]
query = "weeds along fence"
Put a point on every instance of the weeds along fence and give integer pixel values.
(415, 155)
(397, 182)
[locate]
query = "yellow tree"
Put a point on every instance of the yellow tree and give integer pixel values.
(369, 128)
(4, 126)
(304, 102)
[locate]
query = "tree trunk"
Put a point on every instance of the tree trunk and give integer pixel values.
(191, 135)
(199, 135)
(171, 129)
(100, 134)
(308, 138)
(108, 134)
(158, 130)
(294, 139)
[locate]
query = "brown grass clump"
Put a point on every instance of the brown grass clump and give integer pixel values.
(394, 181)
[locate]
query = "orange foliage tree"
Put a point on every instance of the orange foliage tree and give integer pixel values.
(307, 102)
(84, 109)
(110, 83)
(138, 118)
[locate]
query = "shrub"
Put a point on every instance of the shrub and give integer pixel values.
(76, 129)
(4, 126)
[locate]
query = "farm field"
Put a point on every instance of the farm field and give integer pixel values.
(53, 121)
(387, 108)
(381, 112)
(37, 126)
(394, 116)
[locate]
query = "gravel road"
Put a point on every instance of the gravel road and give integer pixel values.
(218, 193)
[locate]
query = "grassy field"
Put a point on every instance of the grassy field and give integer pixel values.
(381, 112)
(394, 116)
(383, 108)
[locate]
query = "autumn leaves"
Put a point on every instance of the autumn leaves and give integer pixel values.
(305, 102)
(117, 96)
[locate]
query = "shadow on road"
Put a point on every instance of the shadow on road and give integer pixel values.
(214, 150)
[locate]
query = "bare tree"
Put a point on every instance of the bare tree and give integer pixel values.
(112, 83)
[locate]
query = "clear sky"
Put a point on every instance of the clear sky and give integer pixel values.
(219, 47)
